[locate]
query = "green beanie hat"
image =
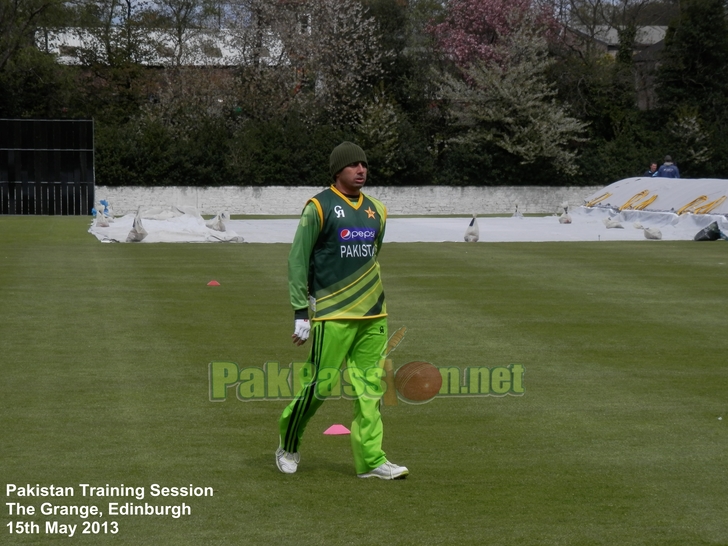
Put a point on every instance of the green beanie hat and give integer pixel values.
(345, 154)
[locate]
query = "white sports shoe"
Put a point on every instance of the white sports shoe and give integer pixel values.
(287, 462)
(387, 471)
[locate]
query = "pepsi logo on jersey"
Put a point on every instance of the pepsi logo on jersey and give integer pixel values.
(357, 234)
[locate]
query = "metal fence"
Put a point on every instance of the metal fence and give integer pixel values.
(46, 166)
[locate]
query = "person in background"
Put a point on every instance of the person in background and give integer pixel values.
(668, 169)
(652, 171)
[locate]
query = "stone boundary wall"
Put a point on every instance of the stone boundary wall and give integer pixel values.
(408, 200)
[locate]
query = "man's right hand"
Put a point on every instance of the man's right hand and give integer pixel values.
(302, 327)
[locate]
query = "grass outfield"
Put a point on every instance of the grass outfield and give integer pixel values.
(616, 441)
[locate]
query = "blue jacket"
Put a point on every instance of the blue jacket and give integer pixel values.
(668, 170)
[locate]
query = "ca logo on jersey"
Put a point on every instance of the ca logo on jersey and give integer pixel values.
(339, 211)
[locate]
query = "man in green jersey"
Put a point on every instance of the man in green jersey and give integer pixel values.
(333, 271)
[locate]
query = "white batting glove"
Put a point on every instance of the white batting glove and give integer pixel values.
(302, 327)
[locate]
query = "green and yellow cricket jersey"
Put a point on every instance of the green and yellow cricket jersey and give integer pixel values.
(334, 257)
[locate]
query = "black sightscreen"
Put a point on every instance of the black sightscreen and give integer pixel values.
(46, 166)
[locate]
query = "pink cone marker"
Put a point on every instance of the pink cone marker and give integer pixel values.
(337, 429)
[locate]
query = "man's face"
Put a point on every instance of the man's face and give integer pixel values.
(351, 178)
(653, 167)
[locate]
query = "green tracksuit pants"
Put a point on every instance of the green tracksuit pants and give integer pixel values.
(360, 344)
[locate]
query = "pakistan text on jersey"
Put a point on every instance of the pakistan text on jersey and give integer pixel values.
(357, 251)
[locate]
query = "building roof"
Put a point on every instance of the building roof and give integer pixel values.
(157, 47)
(609, 35)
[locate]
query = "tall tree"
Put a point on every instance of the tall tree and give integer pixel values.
(111, 32)
(343, 57)
(19, 20)
(599, 86)
(183, 22)
(111, 41)
(693, 70)
(31, 83)
(266, 38)
(472, 29)
(692, 86)
(320, 55)
(509, 103)
(500, 96)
